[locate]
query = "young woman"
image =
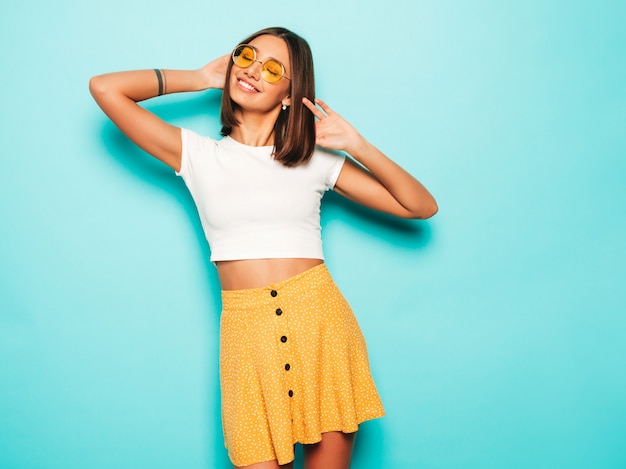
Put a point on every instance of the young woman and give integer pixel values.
(293, 362)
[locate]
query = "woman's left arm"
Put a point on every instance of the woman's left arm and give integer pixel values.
(379, 183)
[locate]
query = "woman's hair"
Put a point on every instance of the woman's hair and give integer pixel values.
(294, 130)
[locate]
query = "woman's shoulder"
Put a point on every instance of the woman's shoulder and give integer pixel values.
(197, 150)
(324, 154)
(194, 143)
(325, 158)
(329, 164)
(192, 136)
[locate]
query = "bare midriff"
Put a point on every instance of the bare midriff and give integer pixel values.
(254, 273)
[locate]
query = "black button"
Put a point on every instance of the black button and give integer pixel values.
(287, 366)
(290, 393)
(283, 339)
(274, 293)
(279, 312)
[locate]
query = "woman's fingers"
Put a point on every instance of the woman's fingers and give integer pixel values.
(313, 108)
(324, 106)
(316, 110)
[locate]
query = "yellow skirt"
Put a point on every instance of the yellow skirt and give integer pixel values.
(293, 365)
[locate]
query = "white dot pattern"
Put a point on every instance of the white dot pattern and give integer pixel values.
(293, 365)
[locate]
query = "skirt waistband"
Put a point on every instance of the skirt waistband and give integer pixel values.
(318, 272)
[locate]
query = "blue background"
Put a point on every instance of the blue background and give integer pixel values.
(496, 330)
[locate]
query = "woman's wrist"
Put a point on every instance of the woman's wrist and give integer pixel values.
(180, 81)
(209, 80)
(359, 147)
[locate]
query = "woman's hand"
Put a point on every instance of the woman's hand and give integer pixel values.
(331, 130)
(215, 72)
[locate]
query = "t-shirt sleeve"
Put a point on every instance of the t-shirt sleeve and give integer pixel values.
(331, 163)
(194, 146)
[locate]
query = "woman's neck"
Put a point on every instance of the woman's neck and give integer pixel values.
(255, 129)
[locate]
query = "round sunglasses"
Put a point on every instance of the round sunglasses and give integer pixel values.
(244, 55)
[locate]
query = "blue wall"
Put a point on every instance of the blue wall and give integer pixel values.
(496, 330)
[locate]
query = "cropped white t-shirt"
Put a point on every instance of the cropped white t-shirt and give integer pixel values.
(252, 206)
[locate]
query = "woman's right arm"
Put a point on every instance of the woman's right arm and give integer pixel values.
(117, 94)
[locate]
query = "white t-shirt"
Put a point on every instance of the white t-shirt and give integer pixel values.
(252, 206)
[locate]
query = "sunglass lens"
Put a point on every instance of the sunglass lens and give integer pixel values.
(272, 71)
(243, 56)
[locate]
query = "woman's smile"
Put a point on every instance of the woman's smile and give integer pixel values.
(246, 86)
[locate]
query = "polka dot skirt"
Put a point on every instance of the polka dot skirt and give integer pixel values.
(293, 365)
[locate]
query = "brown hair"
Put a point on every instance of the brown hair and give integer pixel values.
(294, 130)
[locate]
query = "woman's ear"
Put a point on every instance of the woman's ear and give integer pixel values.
(286, 101)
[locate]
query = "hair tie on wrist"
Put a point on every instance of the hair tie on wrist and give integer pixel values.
(160, 78)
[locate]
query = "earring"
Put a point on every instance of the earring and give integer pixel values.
(284, 107)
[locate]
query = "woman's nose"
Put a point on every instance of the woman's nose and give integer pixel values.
(254, 70)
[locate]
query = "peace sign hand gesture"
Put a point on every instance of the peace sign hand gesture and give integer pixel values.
(331, 130)
(379, 183)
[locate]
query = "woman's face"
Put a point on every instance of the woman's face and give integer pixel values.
(249, 90)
